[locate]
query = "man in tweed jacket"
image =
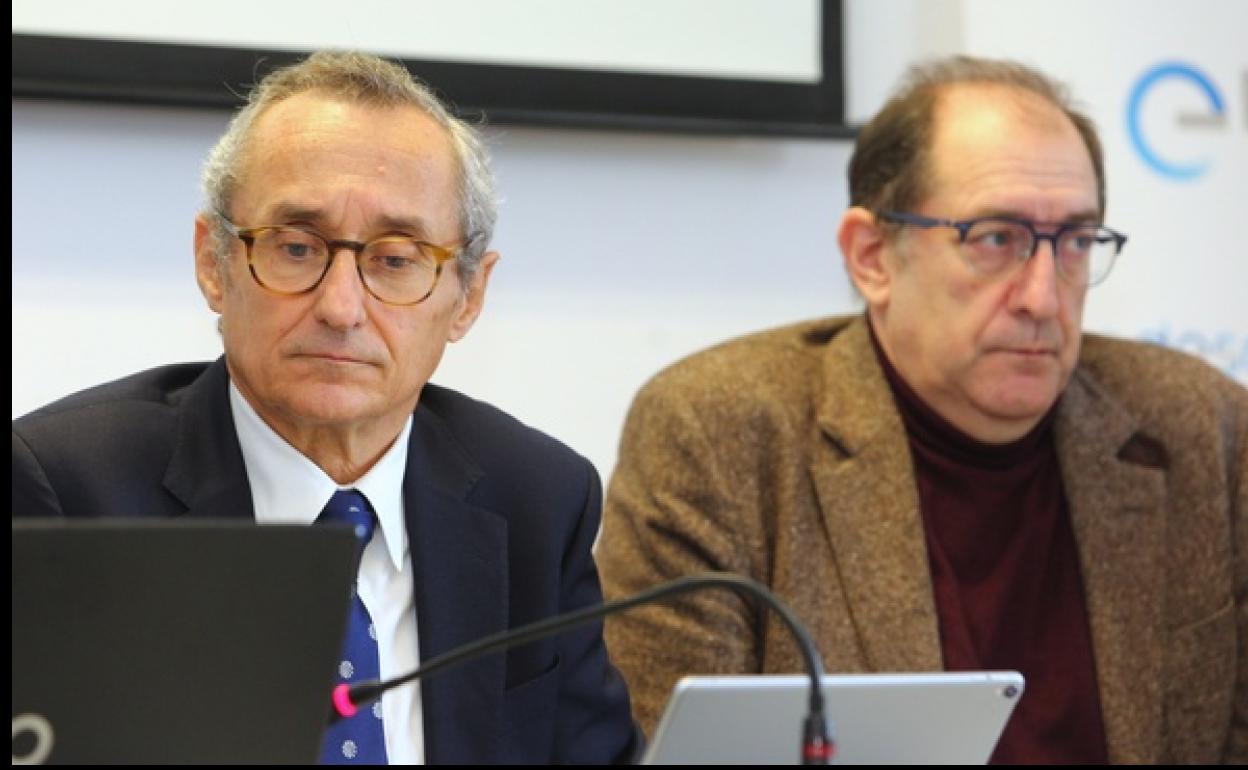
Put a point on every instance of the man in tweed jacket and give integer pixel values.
(959, 478)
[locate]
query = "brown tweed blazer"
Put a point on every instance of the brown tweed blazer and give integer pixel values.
(782, 457)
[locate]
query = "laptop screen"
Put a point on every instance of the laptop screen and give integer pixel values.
(930, 718)
(174, 641)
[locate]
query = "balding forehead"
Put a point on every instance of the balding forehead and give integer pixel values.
(292, 116)
(1017, 102)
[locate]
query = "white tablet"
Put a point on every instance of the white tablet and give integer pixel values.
(929, 718)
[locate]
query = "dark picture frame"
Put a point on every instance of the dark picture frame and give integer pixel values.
(206, 76)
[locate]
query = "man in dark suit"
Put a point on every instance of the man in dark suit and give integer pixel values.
(343, 244)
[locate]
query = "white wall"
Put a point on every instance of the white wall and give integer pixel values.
(622, 251)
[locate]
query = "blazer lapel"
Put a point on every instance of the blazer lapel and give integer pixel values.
(865, 484)
(206, 472)
(460, 564)
(1117, 499)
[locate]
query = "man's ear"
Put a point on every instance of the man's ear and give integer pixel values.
(474, 298)
(865, 249)
(209, 271)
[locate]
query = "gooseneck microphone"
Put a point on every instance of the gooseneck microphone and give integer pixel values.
(817, 745)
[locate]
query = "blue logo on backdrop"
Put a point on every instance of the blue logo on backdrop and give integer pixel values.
(1174, 169)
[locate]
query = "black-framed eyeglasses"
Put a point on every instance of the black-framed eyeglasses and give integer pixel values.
(1083, 252)
(396, 269)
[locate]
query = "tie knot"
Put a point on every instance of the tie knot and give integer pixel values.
(348, 506)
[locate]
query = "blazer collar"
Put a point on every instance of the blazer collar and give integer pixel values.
(1116, 490)
(206, 471)
(460, 563)
(865, 484)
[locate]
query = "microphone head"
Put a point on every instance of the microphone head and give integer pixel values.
(346, 700)
(342, 701)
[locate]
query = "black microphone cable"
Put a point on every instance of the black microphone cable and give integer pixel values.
(817, 745)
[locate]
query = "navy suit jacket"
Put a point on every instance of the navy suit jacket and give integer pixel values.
(501, 519)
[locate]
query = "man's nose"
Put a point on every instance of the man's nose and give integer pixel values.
(1036, 290)
(341, 295)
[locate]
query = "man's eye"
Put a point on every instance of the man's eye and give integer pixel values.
(998, 238)
(396, 263)
(1083, 242)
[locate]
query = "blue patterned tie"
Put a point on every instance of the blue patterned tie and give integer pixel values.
(358, 739)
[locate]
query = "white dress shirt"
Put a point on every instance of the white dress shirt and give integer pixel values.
(288, 488)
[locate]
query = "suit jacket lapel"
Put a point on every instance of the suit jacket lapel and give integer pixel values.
(865, 482)
(1117, 511)
(460, 562)
(206, 472)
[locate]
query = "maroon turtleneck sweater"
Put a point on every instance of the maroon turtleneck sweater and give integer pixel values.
(1006, 578)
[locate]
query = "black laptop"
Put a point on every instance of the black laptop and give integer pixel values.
(175, 641)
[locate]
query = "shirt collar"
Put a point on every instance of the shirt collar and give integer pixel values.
(288, 488)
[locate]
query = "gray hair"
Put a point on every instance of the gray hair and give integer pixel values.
(364, 79)
(889, 168)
